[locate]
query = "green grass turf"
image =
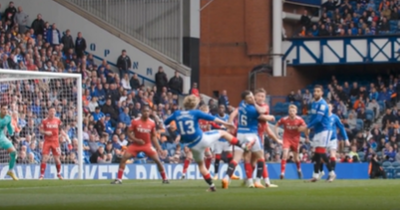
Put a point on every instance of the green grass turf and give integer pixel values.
(190, 194)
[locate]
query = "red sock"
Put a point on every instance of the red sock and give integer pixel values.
(42, 169)
(234, 141)
(265, 171)
(58, 167)
(298, 165)
(163, 175)
(120, 173)
(283, 166)
(320, 150)
(249, 170)
(185, 165)
(207, 176)
(229, 155)
(208, 162)
(333, 159)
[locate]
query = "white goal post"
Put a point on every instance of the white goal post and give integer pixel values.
(7, 77)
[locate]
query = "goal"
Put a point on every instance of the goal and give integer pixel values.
(28, 95)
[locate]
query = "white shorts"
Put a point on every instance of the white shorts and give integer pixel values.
(208, 139)
(245, 137)
(333, 144)
(221, 146)
(321, 139)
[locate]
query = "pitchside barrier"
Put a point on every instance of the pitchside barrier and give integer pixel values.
(174, 171)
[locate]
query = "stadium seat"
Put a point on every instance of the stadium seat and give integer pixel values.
(396, 164)
(370, 114)
(386, 164)
(390, 170)
(360, 124)
(361, 155)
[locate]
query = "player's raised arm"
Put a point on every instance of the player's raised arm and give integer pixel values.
(169, 120)
(233, 115)
(266, 117)
(10, 128)
(342, 130)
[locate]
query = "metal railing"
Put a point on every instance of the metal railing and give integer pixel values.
(156, 23)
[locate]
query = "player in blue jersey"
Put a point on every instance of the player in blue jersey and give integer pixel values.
(191, 134)
(5, 122)
(222, 146)
(333, 143)
(249, 114)
(320, 122)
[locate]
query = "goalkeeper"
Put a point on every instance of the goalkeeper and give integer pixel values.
(5, 121)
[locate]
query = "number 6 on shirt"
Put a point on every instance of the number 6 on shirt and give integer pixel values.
(186, 127)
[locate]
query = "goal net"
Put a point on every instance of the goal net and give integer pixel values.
(29, 95)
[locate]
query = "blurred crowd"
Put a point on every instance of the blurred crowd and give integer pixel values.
(353, 18)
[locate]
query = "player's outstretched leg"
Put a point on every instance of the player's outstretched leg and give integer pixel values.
(11, 163)
(121, 169)
(234, 141)
(208, 158)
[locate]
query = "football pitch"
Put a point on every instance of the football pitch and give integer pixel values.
(191, 194)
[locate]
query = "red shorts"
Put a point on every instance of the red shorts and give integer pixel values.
(52, 146)
(135, 149)
(290, 144)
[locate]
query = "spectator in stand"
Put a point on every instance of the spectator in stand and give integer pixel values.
(67, 41)
(124, 63)
(390, 154)
(374, 106)
(298, 97)
(329, 5)
(9, 14)
(305, 20)
(38, 26)
(21, 19)
(109, 109)
(224, 100)
(53, 36)
(80, 45)
(176, 84)
(124, 117)
(194, 90)
(291, 97)
(161, 79)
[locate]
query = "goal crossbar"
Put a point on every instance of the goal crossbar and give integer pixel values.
(13, 75)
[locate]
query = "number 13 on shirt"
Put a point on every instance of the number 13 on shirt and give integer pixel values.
(186, 127)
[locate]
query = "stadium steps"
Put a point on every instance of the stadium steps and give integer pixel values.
(127, 38)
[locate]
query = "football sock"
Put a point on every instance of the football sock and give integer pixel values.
(185, 166)
(163, 175)
(229, 156)
(249, 170)
(298, 165)
(231, 168)
(120, 173)
(260, 168)
(208, 162)
(333, 163)
(13, 159)
(317, 161)
(283, 166)
(42, 168)
(265, 172)
(321, 167)
(216, 163)
(58, 167)
(208, 179)
(326, 161)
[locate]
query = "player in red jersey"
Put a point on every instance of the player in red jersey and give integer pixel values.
(50, 128)
(291, 138)
(252, 159)
(205, 126)
(142, 133)
(258, 159)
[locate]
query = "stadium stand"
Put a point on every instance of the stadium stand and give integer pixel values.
(359, 103)
(353, 18)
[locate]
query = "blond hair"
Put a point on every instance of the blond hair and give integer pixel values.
(204, 107)
(190, 102)
(293, 107)
(260, 90)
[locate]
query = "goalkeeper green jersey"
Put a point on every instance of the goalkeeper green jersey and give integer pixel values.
(6, 122)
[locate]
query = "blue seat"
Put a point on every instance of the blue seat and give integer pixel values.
(390, 172)
(396, 164)
(386, 164)
(370, 113)
(360, 124)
